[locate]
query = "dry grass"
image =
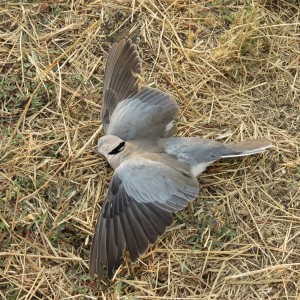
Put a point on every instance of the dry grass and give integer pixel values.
(233, 66)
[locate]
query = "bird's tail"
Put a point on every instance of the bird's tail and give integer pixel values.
(247, 148)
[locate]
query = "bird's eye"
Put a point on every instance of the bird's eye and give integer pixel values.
(118, 149)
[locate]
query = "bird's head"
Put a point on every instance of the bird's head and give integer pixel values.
(111, 146)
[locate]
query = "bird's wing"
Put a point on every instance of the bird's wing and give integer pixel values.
(119, 78)
(148, 114)
(138, 207)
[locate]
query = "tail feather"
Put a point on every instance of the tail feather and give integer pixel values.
(247, 148)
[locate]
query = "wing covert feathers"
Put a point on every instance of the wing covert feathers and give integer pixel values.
(148, 113)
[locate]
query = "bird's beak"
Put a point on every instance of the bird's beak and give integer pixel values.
(96, 151)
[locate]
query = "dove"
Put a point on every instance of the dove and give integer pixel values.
(155, 172)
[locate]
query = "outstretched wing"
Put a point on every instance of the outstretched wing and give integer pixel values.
(148, 114)
(142, 195)
(119, 79)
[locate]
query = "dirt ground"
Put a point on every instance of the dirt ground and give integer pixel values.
(233, 67)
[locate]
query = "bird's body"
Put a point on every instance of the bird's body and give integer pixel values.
(194, 152)
(155, 173)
